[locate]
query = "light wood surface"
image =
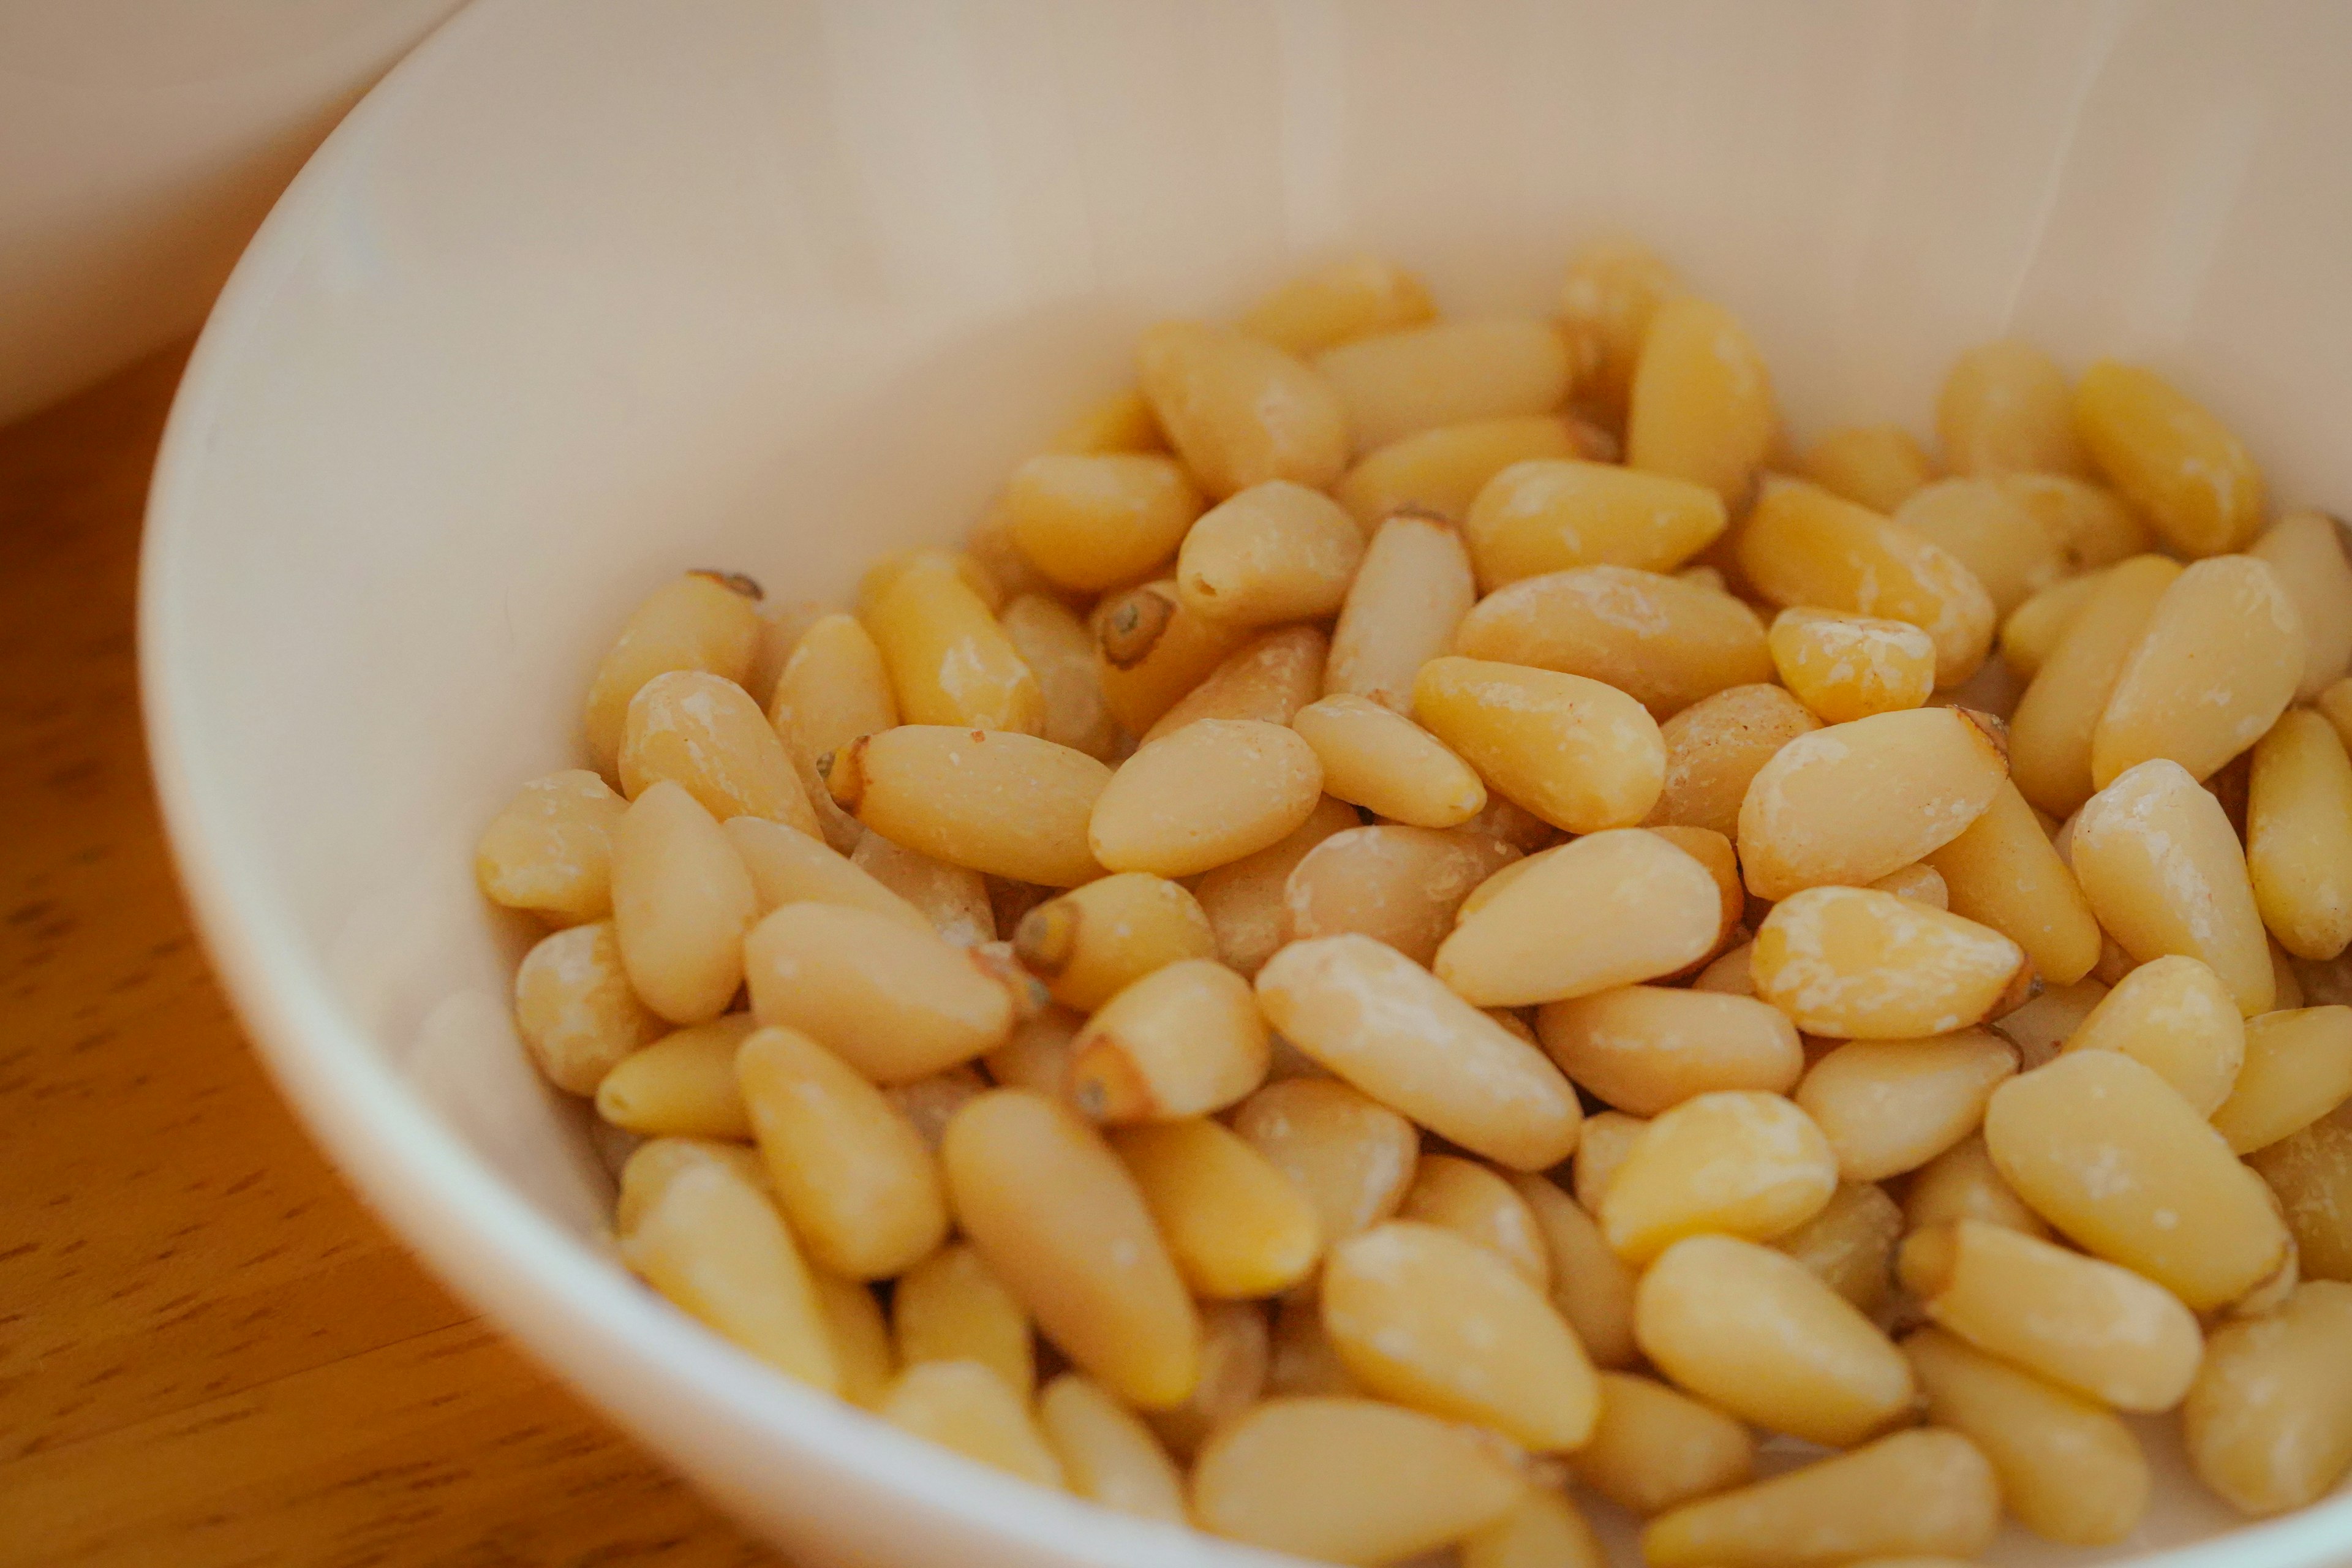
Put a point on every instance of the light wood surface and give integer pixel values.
(210, 1353)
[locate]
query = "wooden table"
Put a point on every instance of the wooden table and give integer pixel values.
(210, 1353)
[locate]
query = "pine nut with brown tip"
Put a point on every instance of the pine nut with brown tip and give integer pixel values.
(1001, 803)
(1277, 551)
(1153, 650)
(1185, 1040)
(1093, 941)
(834, 688)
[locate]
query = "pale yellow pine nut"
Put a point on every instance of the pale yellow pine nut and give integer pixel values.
(1591, 1286)
(2311, 1172)
(1118, 422)
(896, 1003)
(1481, 1206)
(2069, 1470)
(1613, 289)
(2002, 872)
(1852, 801)
(1240, 411)
(1543, 1530)
(1351, 1481)
(2214, 668)
(1108, 1455)
(703, 620)
(892, 564)
(1399, 384)
(2299, 834)
(2005, 406)
(1802, 545)
(951, 1307)
(1037, 1054)
(2161, 865)
(1600, 1153)
(2090, 526)
(1270, 679)
(2170, 457)
(950, 662)
(1914, 1495)
(656, 1162)
(2052, 731)
(1990, 532)
(788, 867)
(928, 1104)
(1515, 825)
(1060, 652)
(1891, 1106)
(1960, 1183)
(1339, 303)
(681, 901)
(1844, 667)
(1655, 1447)
(2176, 1016)
(1608, 910)
(781, 626)
(2170, 1200)
(1440, 472)
(1922, 883)
(2268, 1423)
(1732, 974)
(1731, 1160)
(1277, 551)
(963, 1407)
(2031, 631)
(1876, 466)
(1092, 522)
(708, 1240)
(834, 688)
(1758, 1334)
(575, 1009)
(705, 734)
(2298, 1068)
(1301, 1360)
(1409, 593)
(1857, 965)
(1387, 1025)
(1093, 941)
(549, 849)
(1716, 747)
(1236, 1225)
(1850, 1243)
(952, 899)
(1399, 885)
(1647, 1048)
(1701, 402)
(860, 1338)
(1666, 644)
(2307, 552)
(1579, 754)
(1378, 759)
(1059, 1221)
(1235, 1355)
(1353, 1156)
(1001, 803)
(1152, 650)
(1246, 901)
(1185, 1040)
(1547, 514)
(682, 1084)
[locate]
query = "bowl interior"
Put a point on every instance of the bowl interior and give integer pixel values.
(590, 291)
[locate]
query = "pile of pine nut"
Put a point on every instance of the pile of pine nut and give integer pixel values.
(1427, 924)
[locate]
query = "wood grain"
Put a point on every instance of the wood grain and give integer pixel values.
(210, 1353)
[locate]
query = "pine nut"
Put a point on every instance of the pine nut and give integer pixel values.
(2169, 458)
(1543, 1530)
(1245, 901)
(2299, 834)
(1236, 1227)
(2091, 528)
(1701, 404)
(2031, 630)
(1855, 964)
(892, 564)
(928, 1104)
(1235, 1350)
(1037, 1055)
(682, 1084)
(1060, 652)
(1646, 1049)
(1351, 1157)
(1579, 754)
(705, 734)
(1270, 679)
(789, 867)
(1590, 1285)
(1440, 472)
(1844, 667)
(1203, 796)
(2175, 1016)
(1108, 1455)
(1992, 535)
(1184, 1040)
(2269, 1423)
(1911, 1495)
(1664, 643)
(1409, 593)
(703, 620)
(896, 1003)
(1547, 514)
(1006, 804)
(1876, 466)
(834, 688)
(1655, 1447)
(1922, 883)
(1733, 974)
(952, 899)
(1338, 304)
(2214, 669)
(574, 1007)
(1716, 747)
(1400, 384)
(1600, 1153)
(2306, 552)
(2002, 872)
(1475, 1203)
(1093, 941)
(1732, 1160)
(1120, 422)
(1850, 1245)
(963, 1407)
(681, 901)
(1961, 1184)
(2311, 1172)
(989, 546)
(1378, 759)
(1093, 521)
(1399, 885)
(950, 662)
(549, 850)
(860, 1339)
(1612, 289)
(1240, 411)
(1891, 1106)
(781, 626)
(2005, 407)
(1277, 551)
(1154, 650)
(2298, 1068)
(2051, 732)
(656, 1162)
(952, 1307)
(2040, 1027)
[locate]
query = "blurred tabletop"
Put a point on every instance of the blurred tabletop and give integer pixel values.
(210, 1353)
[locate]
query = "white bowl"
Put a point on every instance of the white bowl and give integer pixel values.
(590, 290)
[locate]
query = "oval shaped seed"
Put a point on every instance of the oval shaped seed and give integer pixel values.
(2160, 864)
(1006, 804)
(2069, 1470)
(2052, 731)
(1757, 1332)
(703, 620)
(1802, 545)
(1351, 1157)
(2176, 1016)
(1876, 466)
(1091, 521)
(1037, 1055)
(2091, 527)
(861, 1340)
(1440, 472)
(2299, 834)
(1236, 1227)
(1991, 533)
(1613, 289)
(2298, 1068)
(1154, 650)
(1579, 754)
(896, 1003)
(1395, 384)
(891, 564)
(2305, 551)
(953, 1306)
(1655, 1447)
(950, 662)
(549, 849)
(1060, 1221)
(1270, 679)
(681, 901)
(1543, 1530)
(1960, 1183)
(1701, 402)
(1235, 1351)
(1349, 1480)
(1666, 644)
(1380, 759)
(2119, 1163)
(1647, 1048)
(929, 1103)
(1891, 1106)
(1601, 1151)
(1108, 1455)
(1914, 1495)
(833, 689)
(2006, 407)
(1855, 964)
(1206, 795)
(1339, 303)
(655, 1162)
(1247, 903)
(2031, 630)
(789, 867)
(2311, 1172)
(681, 1086)
(2170, 457)
(2041, 1026)
(1060, 652)
(2215, 668)
(1409, 593)
(1437, 1322)
(1400, 886)
(1479, 1205)
(575, 1010)
(1716, 747)
(1591, 1287)
(1850, 1245)
(1277, 551)
(963, 1407)
(1844, 667)
(1734, 1161)
(1852, 801)
(1185, 1040)
(1120, 422)
(1729, 974)
(1093, 941)
(2002, 872)
(1240, 411)
(953, 900)
(1548, 514)
(1609, 909)
(2268, 1423)
(1374, 1017)
(1921, 883)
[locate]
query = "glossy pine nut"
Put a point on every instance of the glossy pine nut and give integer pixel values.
(1475, 1203)
(1960, 1183)
(1375, 757)
(2269, 1423)
(1992, 535)
(834, 688)
(1664, 643)
(1543, 1530)
(2299, 834)
(1118, 422)
(1108, 1455)
(549, 850)
(1547, 514)
(1591, 1286)
(1646, 1049)
(789, 867)
(2169, 458)
(2002, 872)
(2298, 1068)
(705, 734)
(1609, 909)
(952, 1307)
(1921, 883)
(1268, 678)
(781, 626)
(2005, 407)
(1929, 772)
(2050, 733)
(1858, 964)
(1802, 545)
(2160, 864)
(1001, 803)
(2069, 1470)
(1731, 973)
(1240, 411)
(1246, 900)
(1655, 1447)
(1351, 1481)
(963, 1407)
(1914, 1495)
(1758, 1334)
(1400, 384)
(1733, 1161)
(1277, 551)
(575, 1010)
(1386, 1025)
(1203, 796)
(1236, 1227)
(2031, 631)
(2177, 1017)
(1600, 1153)
(896, 1003)
(1398, 885)
(1850, 1243)
(2306, 550)
(1351, 1157)
(1440, 472)
(1849, 667)
(862, 1351)
(1701, 404)
(1184, 1040)
(1060, 652)
(682, 1084)
(1714, 851)
(2090, 526)
(2170, 1200)
(892, 564)
(1154, 650)
(1093, 521)
(1340, 303)
(950, 662)
(681, 901)
(1411, 592)
(1579, 754)
(1613, 289)
(953, 900)
(1235, 1351)
(2214, 669)
(1876, 466)
(1092, 942)
(1891, 1106)
(703, 620)
(1435, 1321)
(1058, 1220)
(655, 1162)
(1716, 747)
(2311, 1172)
